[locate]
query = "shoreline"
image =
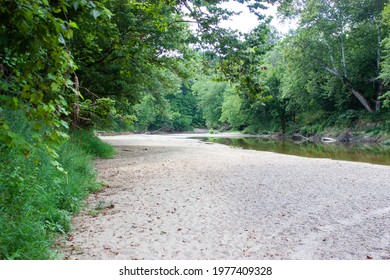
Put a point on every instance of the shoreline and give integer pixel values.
(353, 137)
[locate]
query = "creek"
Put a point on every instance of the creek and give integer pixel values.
(371, 153)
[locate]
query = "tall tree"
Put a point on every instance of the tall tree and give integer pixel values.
(342, 38)
(122, 54)
(385, 74)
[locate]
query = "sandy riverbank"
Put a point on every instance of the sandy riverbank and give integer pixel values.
(176, 198)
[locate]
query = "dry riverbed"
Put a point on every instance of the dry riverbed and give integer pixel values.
(169, 197)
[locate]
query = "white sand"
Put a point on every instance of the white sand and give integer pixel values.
(176, 198)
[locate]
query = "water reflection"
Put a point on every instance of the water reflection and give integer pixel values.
(376, 154)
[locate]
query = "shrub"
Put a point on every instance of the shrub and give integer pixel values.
(312, 130)
(347, 119)
(92, 144)
(37, 198)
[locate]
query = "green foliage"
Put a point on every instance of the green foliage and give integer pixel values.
(36, 67)
(385, 74)
(174, 111)
(92, 57)
(232, 109)
(147, 112)
(317, 73)
(36, 198)
(92, 144)
(210, 97)
(181, 122)
(141, 49)
(184, 109)
(243, 63)
(324, 53)
(348, 118)
(104, 114)
(311, 130)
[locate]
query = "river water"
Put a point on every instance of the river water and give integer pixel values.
(371, 153)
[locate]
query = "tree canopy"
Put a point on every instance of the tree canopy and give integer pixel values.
(107, 64)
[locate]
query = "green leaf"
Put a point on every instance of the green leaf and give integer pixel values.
(64, 124)
(76, 5)
(61, 39)
(51, 77)
(55, 86)
(4, 86)
(95, 13)
(58, 166)
(73, 24)
(15, 102)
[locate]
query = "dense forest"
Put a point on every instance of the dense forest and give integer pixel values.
(72, 67)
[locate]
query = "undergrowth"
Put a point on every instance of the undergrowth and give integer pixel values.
(92, 144)
(37, 199)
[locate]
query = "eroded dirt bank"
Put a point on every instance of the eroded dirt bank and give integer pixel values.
(176, 198)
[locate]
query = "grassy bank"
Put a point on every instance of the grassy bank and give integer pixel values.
(37, 199)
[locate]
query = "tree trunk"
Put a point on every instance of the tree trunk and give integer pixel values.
(378, 51)
(76, 105)
(379, 92)
(379, 83)
(357, 94)
(343, 51)
(350, 87)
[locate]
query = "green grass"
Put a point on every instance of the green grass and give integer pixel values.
(37, 199)
(92, 144)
